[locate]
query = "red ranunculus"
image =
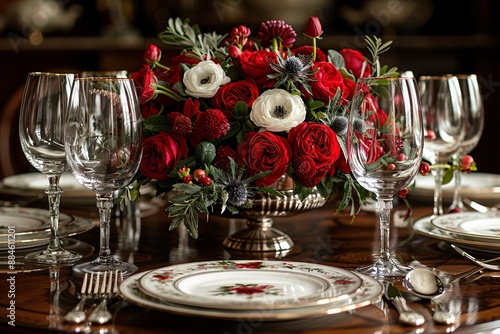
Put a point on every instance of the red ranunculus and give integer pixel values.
(354, 62)
(161, 153)
(315, 150)
(307, 50)
(228, 95)
(328, 79)
(255, 65)
(262, 152)
(143, 80)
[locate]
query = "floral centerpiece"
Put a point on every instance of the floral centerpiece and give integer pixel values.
(229, 116)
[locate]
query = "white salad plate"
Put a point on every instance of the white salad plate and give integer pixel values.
(246, 285)
(481, 187)
(424, 226)
(26, 238)
(368, 293)
(471, 225)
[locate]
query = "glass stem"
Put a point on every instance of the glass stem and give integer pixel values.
(457, 191)
(384, 207)
(54, 197)
(438, 193)
(105, 204)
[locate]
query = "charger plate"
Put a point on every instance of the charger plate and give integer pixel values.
(471, 225)
(424, 226)
(370, 292)
(249, 284)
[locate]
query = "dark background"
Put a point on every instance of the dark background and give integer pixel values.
(430, 37)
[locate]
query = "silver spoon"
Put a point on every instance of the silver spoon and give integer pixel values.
(425, 284)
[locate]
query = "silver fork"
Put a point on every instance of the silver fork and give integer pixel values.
(109, 289)
(476, 261)
(77, 314)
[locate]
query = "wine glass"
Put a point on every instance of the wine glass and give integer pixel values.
(41, 130)
(472, 106)
(441, 102)
(104, 149)
(384, 145)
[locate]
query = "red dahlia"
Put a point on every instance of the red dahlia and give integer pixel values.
(276, 29)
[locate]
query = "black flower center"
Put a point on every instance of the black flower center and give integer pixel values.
(205, 80)
(293, 65)
(279, 112)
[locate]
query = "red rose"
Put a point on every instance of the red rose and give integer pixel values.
(255, 65)
(315, 150)
(143, 80)
(228, 95)
(262, 152)
(161, 153)
(185, 59)
(351, 86)
(307, 50)
(328, 79)
(149, 108)
(354, 62)
(343, 165)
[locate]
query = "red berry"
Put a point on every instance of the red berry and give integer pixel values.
(403, 192)
(206, 181)
(430, 135)
(466, 162)
(186, 179)
(390, 166)
(424, 169)
(198, 174)
(401, 157)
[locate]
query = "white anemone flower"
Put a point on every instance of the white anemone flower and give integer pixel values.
(277, 110)
(204, 79)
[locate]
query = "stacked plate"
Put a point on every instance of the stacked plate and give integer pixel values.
(30, 227)
(264, 290)
(34, 184)
(479, 231)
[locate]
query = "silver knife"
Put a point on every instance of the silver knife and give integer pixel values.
(407, 316)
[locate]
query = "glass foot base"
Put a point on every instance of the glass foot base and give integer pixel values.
(53, 257)
(96, 267)
(385, 268)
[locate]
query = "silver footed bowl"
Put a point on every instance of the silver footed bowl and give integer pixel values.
(259, 235)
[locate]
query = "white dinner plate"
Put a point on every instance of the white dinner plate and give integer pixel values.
(249, 284)
(471, 225)
(481, 187)
(424, 226)
(370, 292)
(28, 220)
(34, 184)
(38, 181)
(72, 226)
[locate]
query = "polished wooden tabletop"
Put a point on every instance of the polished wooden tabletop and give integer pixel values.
(43, 296)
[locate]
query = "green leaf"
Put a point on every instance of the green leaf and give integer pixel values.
(240, 110)
(336, 59)
(447, 176)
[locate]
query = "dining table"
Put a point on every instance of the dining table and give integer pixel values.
(35, 299)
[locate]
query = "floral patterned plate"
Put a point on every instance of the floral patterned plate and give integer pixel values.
(246, 285)
(370, 292)
(471, 225)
